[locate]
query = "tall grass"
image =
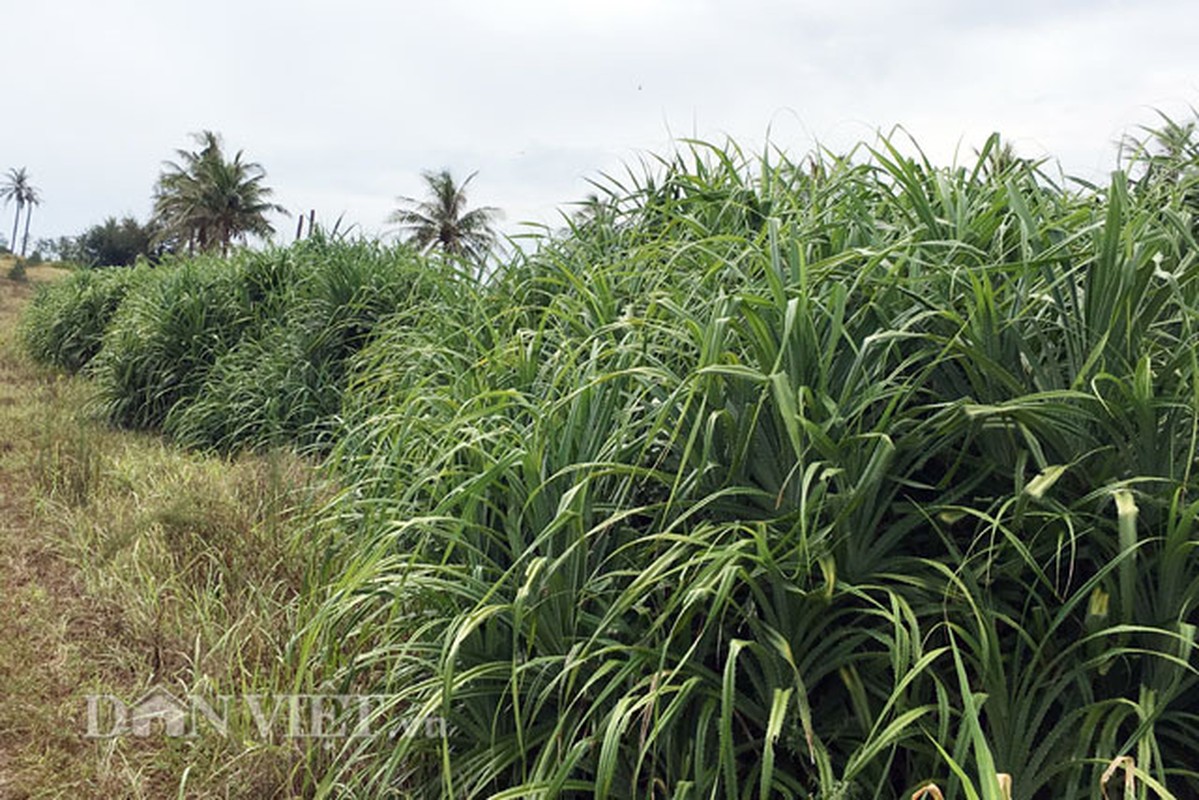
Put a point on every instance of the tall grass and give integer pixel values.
(282, 381)
(228, 354)
(164, 338)
(65, 324)
(816, 479)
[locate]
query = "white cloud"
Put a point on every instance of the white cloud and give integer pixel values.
(344, 105)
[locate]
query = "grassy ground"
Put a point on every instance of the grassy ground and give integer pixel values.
(126, 564)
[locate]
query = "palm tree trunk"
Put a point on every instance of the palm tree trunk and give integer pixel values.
(25, 238)
(16, 220)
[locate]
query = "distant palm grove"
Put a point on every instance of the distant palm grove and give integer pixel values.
(205, 202)
(849, 476)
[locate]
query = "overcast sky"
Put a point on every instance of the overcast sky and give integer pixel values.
(345, 103)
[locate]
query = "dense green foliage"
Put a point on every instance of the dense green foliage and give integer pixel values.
(774, 479)
(231, 353)
(313, 306)
(766, 479)
(112, 243)
(65, 324)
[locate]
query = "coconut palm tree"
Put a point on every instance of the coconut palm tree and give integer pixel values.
(207, 202)
(32, 198)
(17, 189)
(443, 222)
(1165, 154)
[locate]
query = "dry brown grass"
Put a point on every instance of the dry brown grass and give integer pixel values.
(126, 563)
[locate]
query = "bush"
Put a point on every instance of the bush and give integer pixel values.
(789, 480)
(64, 325)
(232, 353)
(315, 304)
(166, 336)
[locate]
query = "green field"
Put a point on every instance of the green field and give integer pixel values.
(823, 478)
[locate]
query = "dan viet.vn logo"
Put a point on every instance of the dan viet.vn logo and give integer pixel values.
(158, 712)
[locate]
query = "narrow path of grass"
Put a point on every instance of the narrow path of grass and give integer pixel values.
(125, 564)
